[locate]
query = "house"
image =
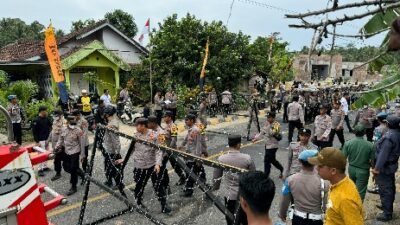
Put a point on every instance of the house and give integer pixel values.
(327, 66)
(100, 48)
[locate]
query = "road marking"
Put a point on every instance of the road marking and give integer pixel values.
(104, 195)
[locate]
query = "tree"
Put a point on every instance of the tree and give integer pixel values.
(123, 21)
(12, 29)
(178, 51)
(79, 24)
(278, 67)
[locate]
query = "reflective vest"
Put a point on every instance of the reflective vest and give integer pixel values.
(86, 107)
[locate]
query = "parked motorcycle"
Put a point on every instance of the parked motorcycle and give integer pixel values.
(126, 113)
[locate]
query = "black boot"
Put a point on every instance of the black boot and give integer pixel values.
(181, 181)
(56, 177)
(384, 218)
(72, 191)
(165, 208)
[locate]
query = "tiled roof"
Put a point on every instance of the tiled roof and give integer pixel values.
(25, 49)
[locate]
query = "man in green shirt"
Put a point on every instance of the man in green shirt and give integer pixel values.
(360, 154)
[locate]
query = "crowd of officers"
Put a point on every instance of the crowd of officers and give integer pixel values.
(316, 187)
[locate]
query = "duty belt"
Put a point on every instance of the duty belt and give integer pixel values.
(310, 216)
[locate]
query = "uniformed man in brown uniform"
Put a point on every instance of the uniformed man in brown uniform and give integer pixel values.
(83, 124)
(240, 160)
(295, 116)
(295, 148)
(58, 125)
(171, 136)
(338, 116)
(366, 117)
(71, 138)
(307, 191)
(147, 162)
(194, 145)
(272, 134)
(322, 127)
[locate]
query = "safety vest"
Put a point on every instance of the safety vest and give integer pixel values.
(86, 107)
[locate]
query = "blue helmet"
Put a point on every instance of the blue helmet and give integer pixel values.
(11, 97)
(382, 115)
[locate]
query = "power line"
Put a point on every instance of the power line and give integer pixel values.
(230, 13)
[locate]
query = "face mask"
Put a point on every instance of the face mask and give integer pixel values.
(56, 117)
(71, 126)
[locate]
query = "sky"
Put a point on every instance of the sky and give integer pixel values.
(251, 19)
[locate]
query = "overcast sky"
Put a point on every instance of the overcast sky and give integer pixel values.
(252, 19)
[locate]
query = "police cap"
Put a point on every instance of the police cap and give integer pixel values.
(234, 140)
(168, 113)
(305, 131)
(271, 114)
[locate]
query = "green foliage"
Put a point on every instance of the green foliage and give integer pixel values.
(12, 29)
(3, 79)
(24, 89)
(279, 67)
(32, 109)
(123, 21)
(79, 24)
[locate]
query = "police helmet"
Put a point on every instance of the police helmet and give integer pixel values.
(109, 110)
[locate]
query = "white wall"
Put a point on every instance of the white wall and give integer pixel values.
(127, 52)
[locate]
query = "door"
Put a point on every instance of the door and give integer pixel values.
(77, 83)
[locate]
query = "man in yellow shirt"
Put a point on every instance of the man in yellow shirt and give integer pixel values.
(85, 101)
(344, 205)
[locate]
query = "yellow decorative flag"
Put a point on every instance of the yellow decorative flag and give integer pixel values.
(50, 45)
(203, 69)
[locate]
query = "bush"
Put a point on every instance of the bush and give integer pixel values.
(32, 108)
(24, 89)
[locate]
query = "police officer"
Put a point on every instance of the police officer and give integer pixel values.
(147, 162)
(171, 136)
(338, 117)
(295, 116)
(72, 140)
(203, 111)
(58, 125)
(295, 148)
(213, 102)
(172, 99)
(240, 160)
(82, 123)
(307, 191)
(366, 117)
(17, 117)
(387, 156)
(272, 133)
(322, 128)
(112, 149)
(160, 133)
(194, 145)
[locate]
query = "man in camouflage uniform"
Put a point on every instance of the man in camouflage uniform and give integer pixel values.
(322, 128)
(72, 140)
(171, 136)
(338, 117)
(203, 112)
(240, 160)
(366, 117)
(15, 112)
(194, 145)
(58, 125)
(295, 116)
(295, 148)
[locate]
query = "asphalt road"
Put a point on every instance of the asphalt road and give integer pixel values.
(195, 210)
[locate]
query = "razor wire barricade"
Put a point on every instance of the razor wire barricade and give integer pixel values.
(177, 155)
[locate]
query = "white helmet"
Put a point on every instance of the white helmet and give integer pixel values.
(84, 91)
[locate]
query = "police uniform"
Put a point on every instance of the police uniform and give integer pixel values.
(195, 144)
(338, 117)
(171, 136)
(226, 101)
(83, 124)
(144, 160)
(295, 117)
(308, 192)
(203, 113)
(15, 112)
(161, 140)
(173, 98)
(321, 130)
(58, 125)
(270, 131)
(295, 148)
(387, 156)
(213, 101)
(72, 140)
(157, 107)
(366, 117)
(240, 160)
(111, 153)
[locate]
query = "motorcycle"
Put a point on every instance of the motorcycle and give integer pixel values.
(126, 113)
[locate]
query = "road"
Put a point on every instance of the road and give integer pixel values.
(195, 210)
